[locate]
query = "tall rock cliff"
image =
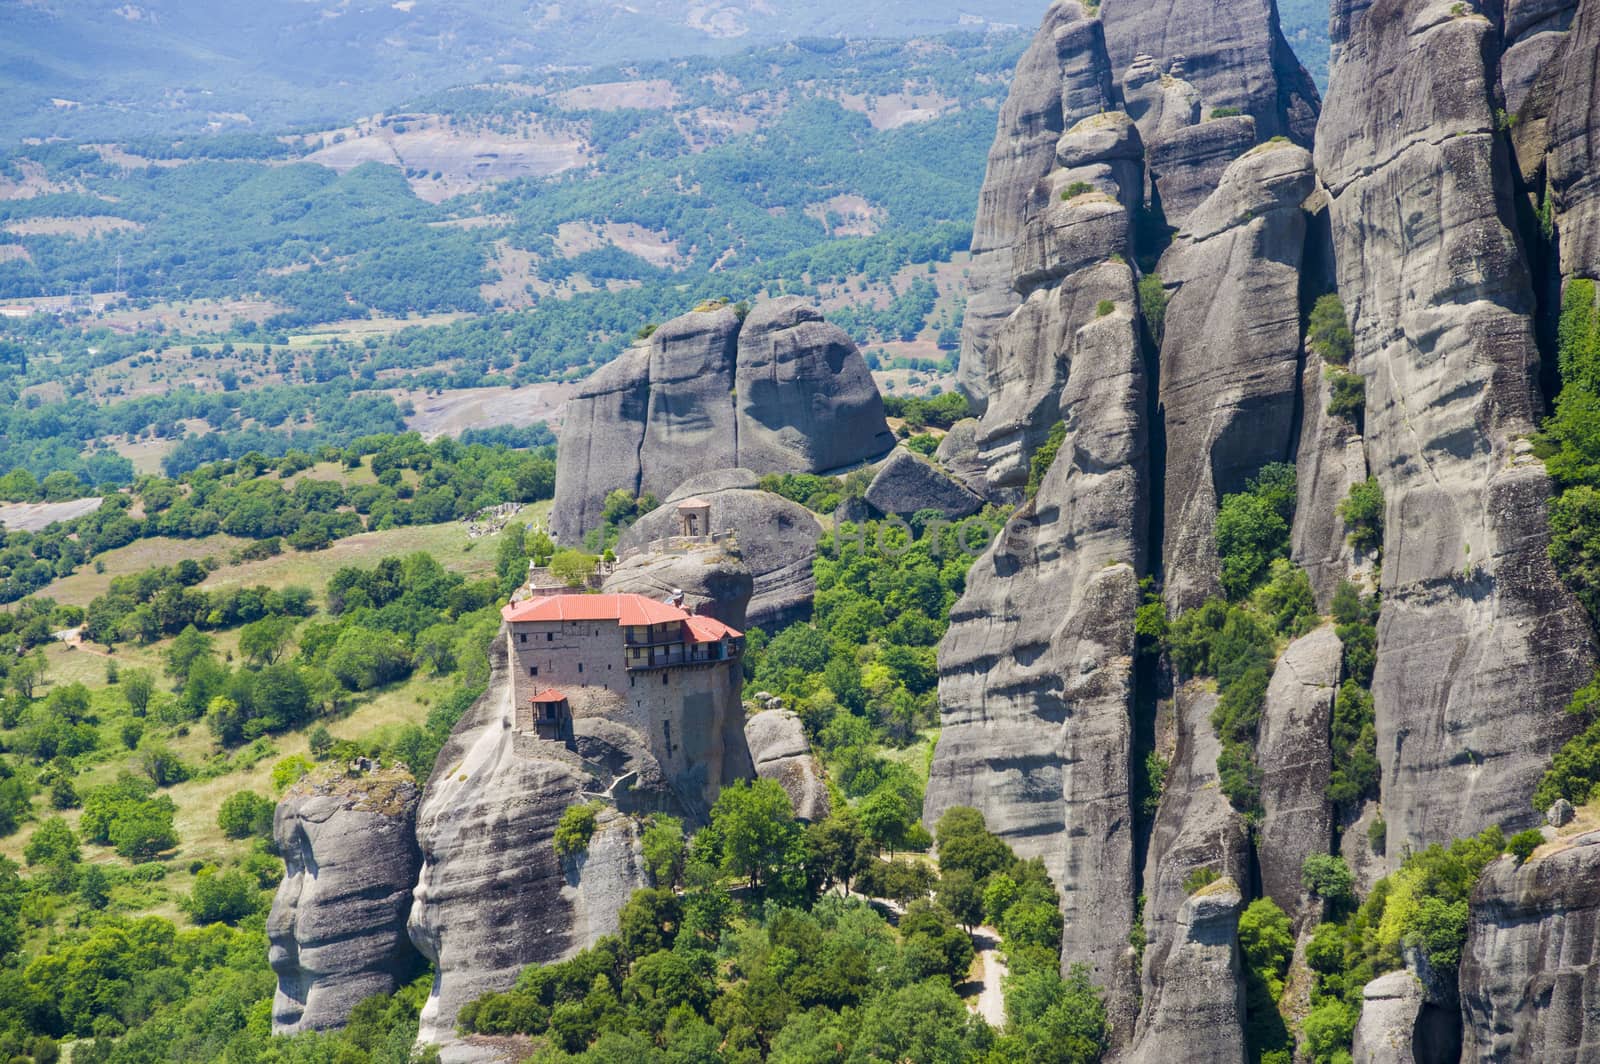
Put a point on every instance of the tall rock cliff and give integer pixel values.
(1234, 54)
(1063, 78)
(1195, 1008)
(780, 391)
(1530, 974)
(1478, 644)
(1036, 676)
(338, 923)
(1230, 363)
(492, 896)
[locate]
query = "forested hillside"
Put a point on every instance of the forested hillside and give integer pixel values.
(264, 292)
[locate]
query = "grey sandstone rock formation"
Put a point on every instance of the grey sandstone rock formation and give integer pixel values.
(1194, 1004)
(1159, 103)
(1574, 143)
(1187, 165)
(806, 400)
(1478, 641)
(907, 483)
(1386, 1032)
(492, 896)
(1295, 753)
(1233, 53)
(1063, 78)
(338, 923)
(1530, 973)
(1195, 828)
(780, 750)
(776, 539)
(713, 581)
(1331, 460)
(1036, 671)
(958, 453)
(1230, 361)
(780, 392)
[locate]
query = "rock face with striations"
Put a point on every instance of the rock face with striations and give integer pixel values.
(1478, 641)
(1036, 671)
(713, 582)
(780, 750)
(1295, 753)
(781, 392)
(492, 896)
(1386, 1032)
(1530, 973)
(776, 539)
(1230, 361)
(1573, 128)
(907, 483)
(1063, 78)
(1234, 54)
(1195, 828)
(1194, 1005)
(338, 923)
(805, 398)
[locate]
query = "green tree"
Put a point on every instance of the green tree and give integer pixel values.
(1250, 534)
(52, 843)
(138, 687)
(1328, 330)
(244, 814)
(222, 897)
(575, 829)
(885, 818)
(756, 825)
(663, 849)
(263, 642)
(1362, 512)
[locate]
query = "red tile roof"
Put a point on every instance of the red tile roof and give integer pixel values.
(621, 609)
(709, 630)
(548, 695)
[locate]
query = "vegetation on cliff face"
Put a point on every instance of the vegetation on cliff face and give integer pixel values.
(793, 972)
(1571, 447)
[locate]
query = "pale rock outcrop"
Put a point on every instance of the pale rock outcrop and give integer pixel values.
(1386, 1032)
(806, 400)
(1195, 828)
(780, 392)
(1230, 360)
(1478, 643)
(1063, 78)
(1574, 139)
(714, 581)
(1296, 759)
(1194, 1004)
(337, 930)
(1530, 973)
(600, 442)
(907, 483)
(689, 417)
(1187, 165)
(780, 750)
(776, 539)
(1160, 103)
(1036, 672)
(1331, 460)
(1069, 263)
(1233, 53)
(958, 453)
(1534, 33)
(492, 896)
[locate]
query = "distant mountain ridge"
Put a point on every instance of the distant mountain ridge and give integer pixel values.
(72, 69)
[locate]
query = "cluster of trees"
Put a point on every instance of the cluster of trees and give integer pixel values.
(792, 970)
(939, 411)
(253, 497)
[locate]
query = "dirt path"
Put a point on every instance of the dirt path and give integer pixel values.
(990, 968)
